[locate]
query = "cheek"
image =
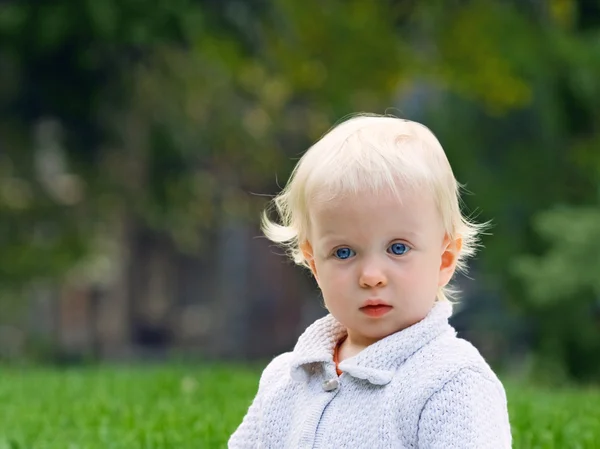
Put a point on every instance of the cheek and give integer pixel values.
(412, 278)
(422, 271)
(332, 276)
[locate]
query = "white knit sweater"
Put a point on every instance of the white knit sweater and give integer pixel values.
(421, 387)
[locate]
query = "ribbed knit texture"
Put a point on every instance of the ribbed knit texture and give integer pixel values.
(419, 388)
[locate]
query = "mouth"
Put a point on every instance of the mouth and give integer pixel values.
(376, 310)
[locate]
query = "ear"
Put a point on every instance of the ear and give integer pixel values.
(450, 251)
(307, 252)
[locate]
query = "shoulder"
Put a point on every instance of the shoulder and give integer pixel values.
(453, 355)
(278, 369)
(470, 361)
(463, 375)
(445, 361)
(278, 363)
(469, 410)
(466, 401)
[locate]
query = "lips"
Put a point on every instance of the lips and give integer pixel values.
(375, 308)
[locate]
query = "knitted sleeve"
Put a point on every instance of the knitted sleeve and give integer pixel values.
(470, 411)
(247, 434)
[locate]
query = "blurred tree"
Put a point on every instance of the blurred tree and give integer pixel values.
(148, 123)
(562, 279)
(523, 162)
(61, 65)
(564, 291)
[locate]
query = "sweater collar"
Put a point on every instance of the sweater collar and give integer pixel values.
(376, 363)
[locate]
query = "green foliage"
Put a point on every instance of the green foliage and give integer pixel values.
(569, 269)
(480, 61)
(564, 291)
(172, 99)
(522, 158)
(170, 113)
(62, 64)
(191, 407)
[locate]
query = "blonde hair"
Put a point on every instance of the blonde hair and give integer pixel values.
(371, 152)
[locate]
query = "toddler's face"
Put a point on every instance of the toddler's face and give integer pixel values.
(379, 261)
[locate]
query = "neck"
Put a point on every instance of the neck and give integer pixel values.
(354, 344)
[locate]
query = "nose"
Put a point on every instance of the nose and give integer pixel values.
(372, 275)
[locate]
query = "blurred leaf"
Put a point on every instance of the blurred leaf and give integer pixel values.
(570, 267)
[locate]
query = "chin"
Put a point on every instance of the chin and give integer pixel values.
(382, 332)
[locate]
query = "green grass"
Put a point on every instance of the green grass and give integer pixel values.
(554, 418)
(142, 407)
(195, 407)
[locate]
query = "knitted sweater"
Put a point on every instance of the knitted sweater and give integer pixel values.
(421, 387)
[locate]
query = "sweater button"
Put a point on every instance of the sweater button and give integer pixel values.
(331, 384)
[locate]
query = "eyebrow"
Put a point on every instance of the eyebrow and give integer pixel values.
(330, 237)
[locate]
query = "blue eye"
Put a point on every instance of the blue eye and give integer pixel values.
(343, 253)
(398, 249)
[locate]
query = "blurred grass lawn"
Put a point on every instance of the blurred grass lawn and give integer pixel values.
(194, 407)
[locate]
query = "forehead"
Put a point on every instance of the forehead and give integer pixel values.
(368, 213)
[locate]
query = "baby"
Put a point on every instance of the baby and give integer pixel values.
(372, 209)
